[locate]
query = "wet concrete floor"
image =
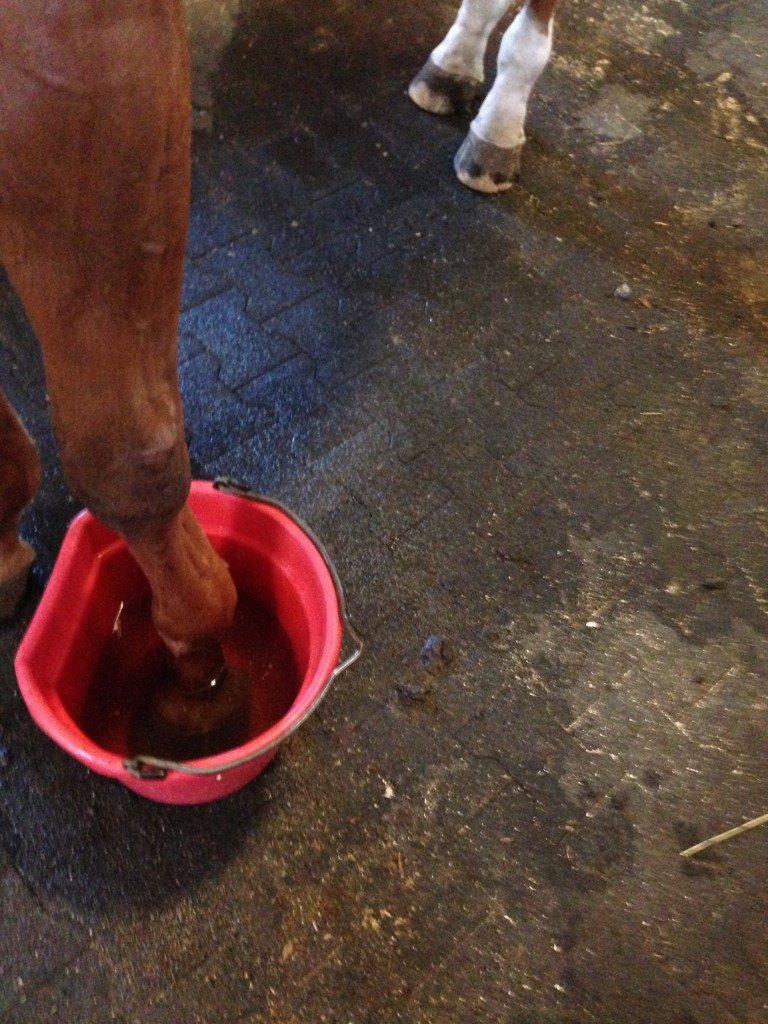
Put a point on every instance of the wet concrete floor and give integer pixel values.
(547, 503)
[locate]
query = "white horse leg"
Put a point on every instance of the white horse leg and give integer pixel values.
(489, 158)
(454, 73)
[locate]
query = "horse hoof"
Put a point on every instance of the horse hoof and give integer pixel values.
(174, 723)
(439, 92)
(14, 573)
(486, 168)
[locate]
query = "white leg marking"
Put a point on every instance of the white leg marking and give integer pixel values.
(524, 53)
(462, 52)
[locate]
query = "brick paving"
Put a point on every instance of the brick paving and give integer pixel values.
(567, 487)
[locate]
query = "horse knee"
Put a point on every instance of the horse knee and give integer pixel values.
(132, 483)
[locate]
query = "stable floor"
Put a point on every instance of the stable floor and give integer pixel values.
(547, 504)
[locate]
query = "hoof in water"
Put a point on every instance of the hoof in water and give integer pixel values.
(486, 168)
(14, 573)
(174, 723)
(439, 92)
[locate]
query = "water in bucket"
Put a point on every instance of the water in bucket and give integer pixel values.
(132, 680)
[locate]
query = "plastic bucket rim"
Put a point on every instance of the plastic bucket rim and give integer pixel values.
(50, 715)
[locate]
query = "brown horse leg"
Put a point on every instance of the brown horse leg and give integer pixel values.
(19, 479)
(94, 111)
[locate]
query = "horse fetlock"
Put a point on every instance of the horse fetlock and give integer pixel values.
(194, 597)
(188, 612)
(16, 558)
(19, 470)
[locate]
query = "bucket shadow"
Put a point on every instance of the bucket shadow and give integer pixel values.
(91, 842)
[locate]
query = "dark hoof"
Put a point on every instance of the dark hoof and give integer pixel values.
(486, 168)
(441, 93)
(173, 723)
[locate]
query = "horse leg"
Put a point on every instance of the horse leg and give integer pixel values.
(489, 158)
(19, 479)
(94, 111)
(453, 75)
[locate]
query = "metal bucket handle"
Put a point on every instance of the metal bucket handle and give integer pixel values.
(147, 767)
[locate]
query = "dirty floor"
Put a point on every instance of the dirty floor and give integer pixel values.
(547, 504)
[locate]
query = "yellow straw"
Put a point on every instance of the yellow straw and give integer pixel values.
(746, 827)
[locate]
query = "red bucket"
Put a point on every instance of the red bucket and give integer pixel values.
(275, 560)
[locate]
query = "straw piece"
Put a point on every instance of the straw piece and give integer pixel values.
(746, 827)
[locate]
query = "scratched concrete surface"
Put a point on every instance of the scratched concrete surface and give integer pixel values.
(568, 487)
